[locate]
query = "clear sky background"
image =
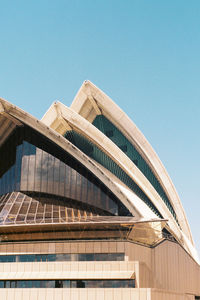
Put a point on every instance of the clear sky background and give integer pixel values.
(144, 54)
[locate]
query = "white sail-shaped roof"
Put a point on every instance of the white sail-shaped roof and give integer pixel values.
(91, 102)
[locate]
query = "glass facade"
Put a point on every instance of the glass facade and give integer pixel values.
(104, 283)
(98, 155)
(30, 163)
(117, 137)
(62, 257)
(20, 208)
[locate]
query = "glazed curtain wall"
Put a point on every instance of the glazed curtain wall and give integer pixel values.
(29, 162)
(98, 155)
(115, 135)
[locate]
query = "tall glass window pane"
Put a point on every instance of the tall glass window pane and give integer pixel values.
(66, 283)
(56, 176)
(44, 172)
(38, 166)
(31, 169)
(25, 167)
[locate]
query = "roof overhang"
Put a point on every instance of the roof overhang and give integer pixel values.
(147, 232)
(83, 106)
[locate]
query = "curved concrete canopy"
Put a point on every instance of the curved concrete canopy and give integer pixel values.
(62, 119)
(21, 117)
(91, 101)
(59, 114)
(18, 117)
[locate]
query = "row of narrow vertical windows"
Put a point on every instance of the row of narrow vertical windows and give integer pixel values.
(62, 257)
(103, 283)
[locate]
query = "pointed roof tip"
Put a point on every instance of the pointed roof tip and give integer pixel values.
(55, 102)
(90, 84)
(87, 82)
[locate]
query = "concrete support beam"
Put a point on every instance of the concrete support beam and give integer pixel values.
(95, 106)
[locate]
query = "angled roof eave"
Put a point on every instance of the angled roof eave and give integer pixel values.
(112, 111)
(25, 118)
(59, 111)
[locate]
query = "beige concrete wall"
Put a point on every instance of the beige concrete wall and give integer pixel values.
(91, 294)
(174, 269)
(64, 247)
(75, 294)
(167, 295)
(69, 270)
(167, 266)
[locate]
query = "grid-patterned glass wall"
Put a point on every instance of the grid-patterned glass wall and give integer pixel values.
(116, 136)
(98, 155)
(29, 162)
(20, 208)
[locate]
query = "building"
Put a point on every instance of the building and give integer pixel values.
(87, 210)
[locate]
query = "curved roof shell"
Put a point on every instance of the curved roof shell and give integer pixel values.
(86, 102)
(11, 117)
(89, 103)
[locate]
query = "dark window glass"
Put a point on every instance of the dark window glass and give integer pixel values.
(129, 283)
(38, 257)
(7, 258)
(80, 284)
(102, 158)
(89, 257)
(29, 284)
(63, 257)
(7, 284)
(38, 172)
(58, 284)
(118, 256)
(82, 257)
(101, 256)
(21, 284)
(73, 284)
(35, 283)
(109, 133)
(66, 283)
(30, 163)
(123, 148)
(50, 284)
(52, 257)
(104, 125)
(26, 258)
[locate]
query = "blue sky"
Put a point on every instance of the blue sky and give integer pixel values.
(144, 54)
